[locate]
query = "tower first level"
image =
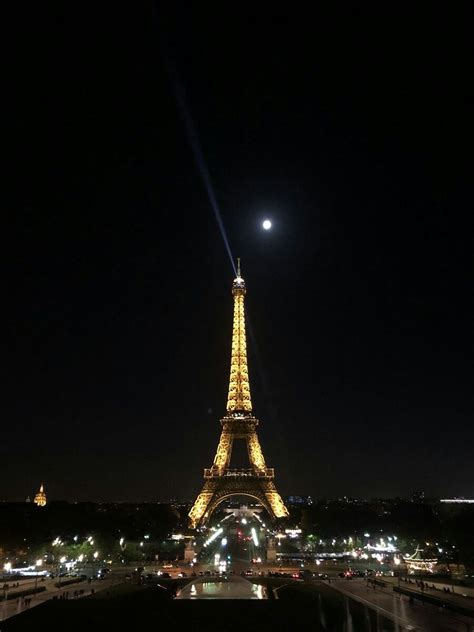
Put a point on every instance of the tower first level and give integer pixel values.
(220, 480)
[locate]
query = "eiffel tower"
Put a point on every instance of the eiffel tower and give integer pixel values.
(220, 481)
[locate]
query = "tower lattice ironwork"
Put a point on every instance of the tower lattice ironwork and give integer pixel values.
(220, 481)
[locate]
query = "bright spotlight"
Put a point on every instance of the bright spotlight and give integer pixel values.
(254, 536)
(266, 224)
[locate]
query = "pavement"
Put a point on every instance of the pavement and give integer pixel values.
(460, 595)
(12, 606)
(416, 617)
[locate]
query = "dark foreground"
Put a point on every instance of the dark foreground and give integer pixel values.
(130, 607)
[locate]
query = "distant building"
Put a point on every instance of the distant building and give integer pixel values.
(457, 501)
(299, 500)
(40, 498)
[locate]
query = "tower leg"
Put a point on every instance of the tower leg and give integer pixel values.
(224, 451)
(275, 501)
(255, 452)
(200, 508)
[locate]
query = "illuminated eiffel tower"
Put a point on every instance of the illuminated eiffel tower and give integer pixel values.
(220, 481)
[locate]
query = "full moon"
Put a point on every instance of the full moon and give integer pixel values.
(267, 224)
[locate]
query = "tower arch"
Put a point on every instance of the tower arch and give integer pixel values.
(225, 495)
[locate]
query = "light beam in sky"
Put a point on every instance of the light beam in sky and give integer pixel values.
(198, 155)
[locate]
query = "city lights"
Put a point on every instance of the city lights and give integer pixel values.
(293, 533)
(382, 546)
(254, 536)
(467, 501)
(213, 536)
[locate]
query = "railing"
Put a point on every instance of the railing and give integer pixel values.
(268, 472)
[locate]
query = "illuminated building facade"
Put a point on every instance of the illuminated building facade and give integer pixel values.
(40, 498)
(220, 481)
(416, 563)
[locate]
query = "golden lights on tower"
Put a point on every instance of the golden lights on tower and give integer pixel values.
(40, 498)
(220, 480)
(239, 389)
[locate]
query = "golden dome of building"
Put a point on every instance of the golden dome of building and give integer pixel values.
(40, 498)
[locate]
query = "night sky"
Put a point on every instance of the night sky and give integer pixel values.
(351, 129)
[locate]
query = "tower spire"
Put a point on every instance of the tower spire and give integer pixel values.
(239, 399)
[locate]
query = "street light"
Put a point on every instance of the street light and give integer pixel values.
(61, 560)
(38, 563)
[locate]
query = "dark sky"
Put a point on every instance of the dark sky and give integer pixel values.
(352, 130)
